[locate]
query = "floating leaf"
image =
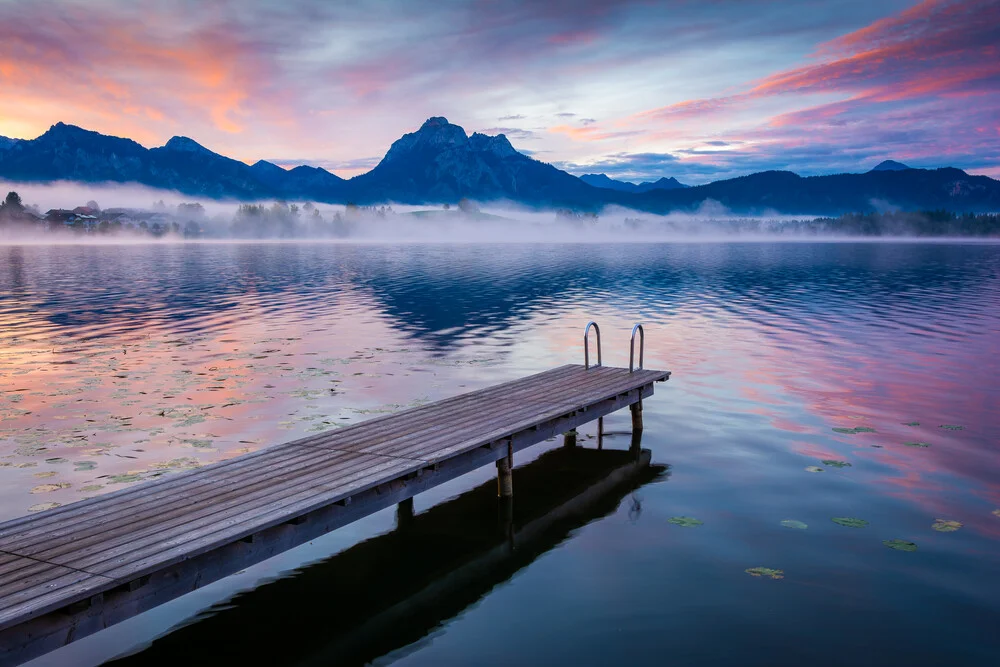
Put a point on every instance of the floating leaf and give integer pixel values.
(124, 479)
(685, 521)
(952, 427)
(836, 464)
(916, 444)
(911, 423)
(849, 522)
(946, 525)
(41, 507)
(47, 488)
(792, 523)
(92, 487)
(54, 461)
(50, 473)
(814, 469)
(900, 545)
(853, 431)
(81, 466)
(765, 572)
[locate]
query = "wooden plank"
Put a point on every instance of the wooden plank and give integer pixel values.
(480, 416)
(248, 493)
(91, 547)
(174, 479)
(150, 489)
(191, 493)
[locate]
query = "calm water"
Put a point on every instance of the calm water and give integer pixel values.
(123, 363)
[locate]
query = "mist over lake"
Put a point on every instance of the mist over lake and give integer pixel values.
(831, 404)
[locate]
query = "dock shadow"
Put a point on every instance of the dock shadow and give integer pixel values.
(390, 591)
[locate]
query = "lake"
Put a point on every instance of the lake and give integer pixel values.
(833, 420)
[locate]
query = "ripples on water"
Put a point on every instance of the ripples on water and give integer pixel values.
(119, 364)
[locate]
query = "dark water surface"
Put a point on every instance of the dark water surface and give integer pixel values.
(125, 363)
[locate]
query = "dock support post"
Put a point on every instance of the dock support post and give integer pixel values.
(635, 447)
(505, 476)
(600, 432)
(569, 438)
(404, 512)
(636, 409)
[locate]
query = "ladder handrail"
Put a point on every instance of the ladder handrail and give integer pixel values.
(631, 350)
(586, 344)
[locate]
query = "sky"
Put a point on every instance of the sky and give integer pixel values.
(695, 89)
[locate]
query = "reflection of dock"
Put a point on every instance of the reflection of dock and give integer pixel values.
(77, 569)
(361, 604)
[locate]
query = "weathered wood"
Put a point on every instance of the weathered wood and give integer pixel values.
(113, 556)
(636, 409)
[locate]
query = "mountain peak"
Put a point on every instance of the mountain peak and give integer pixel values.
(608, 183)
(434, 121)
(498, 145)
(62, 130)
(185, 144)
(890, 165)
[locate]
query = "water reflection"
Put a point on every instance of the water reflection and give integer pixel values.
(391, 590)
(119, 364)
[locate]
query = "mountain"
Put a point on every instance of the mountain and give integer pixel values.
(890, 165)
(603, 181)
(440, 163)
(786, 192)
(67, 152)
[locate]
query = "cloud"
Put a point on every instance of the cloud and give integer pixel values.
(751, 79)
(591, 133)
(922, 85)
(510, 132)
(629, 166)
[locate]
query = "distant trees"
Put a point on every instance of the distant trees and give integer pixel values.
(12, 202)
(12, 209)
(468, 206)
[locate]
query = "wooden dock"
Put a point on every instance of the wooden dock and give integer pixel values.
(77, 569)
(456, 552)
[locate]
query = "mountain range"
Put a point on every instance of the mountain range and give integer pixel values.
(604, 181)
(440, 163)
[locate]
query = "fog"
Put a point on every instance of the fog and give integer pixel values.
(138, 214)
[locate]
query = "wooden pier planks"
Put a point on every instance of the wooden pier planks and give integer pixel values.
(73, 554)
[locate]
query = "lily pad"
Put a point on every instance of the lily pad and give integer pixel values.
(946, 525)
(813, 469)
(952, 427)
(41, 507)
(92, 487)
(124, 479)
(55, 461)
(917, 444)
(47, 488)
(836, 464)
(81, 466)
(766, 572)
(685, 521)
(911, 423)
(849, 522)
(47, 473)
(853, 431)
(792, 523)
(900, 545)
